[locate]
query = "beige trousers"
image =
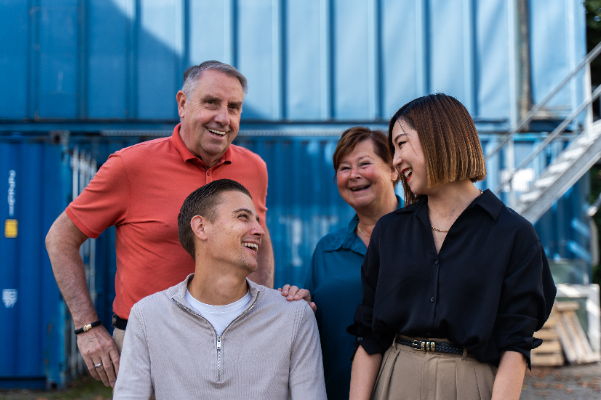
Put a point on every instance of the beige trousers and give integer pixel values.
(118, 336)
(414, 374)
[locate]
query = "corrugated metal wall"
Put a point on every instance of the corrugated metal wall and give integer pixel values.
(32, 318)
(306, 60)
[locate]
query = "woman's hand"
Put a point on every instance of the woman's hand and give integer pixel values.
(364, 373)
(510, 377)
(293, 293)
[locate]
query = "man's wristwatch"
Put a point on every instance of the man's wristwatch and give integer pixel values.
(87, 327)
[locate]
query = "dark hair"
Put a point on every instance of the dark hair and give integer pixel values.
(192, 75)
(448, 137)
(353, 136)
(203, 201)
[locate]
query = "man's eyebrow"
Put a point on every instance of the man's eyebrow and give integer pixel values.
(209, 97)
(246, 210)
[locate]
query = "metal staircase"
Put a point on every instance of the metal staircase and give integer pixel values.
(570, 165)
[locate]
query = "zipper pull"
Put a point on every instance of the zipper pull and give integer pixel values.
(218, 342)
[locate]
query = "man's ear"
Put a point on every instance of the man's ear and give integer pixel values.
(198, 224)
(181, 102)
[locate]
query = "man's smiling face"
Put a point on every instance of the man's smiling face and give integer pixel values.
(211, 116)
(234, 237)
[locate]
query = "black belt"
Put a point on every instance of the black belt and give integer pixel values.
(442, 347)
(119, 322)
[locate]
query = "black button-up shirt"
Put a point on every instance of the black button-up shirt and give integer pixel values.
(488, 289)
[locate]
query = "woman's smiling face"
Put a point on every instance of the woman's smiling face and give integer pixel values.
(363, 177)
(409, 157)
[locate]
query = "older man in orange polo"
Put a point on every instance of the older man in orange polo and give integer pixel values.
(139, 190)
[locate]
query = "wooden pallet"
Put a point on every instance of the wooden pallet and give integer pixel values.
(549, 354)
(573, 340)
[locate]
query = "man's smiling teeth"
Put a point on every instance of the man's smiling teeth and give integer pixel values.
(253, 246)
(407, 172)
(219, 133)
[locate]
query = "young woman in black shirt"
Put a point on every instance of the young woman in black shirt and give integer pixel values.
(455, 283)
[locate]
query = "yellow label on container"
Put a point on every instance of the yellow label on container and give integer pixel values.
(10, 228)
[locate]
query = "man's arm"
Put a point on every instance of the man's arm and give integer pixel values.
(264, 275)
(306, 378)
(96, 345)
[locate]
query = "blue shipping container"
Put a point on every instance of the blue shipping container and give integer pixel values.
(113, 64)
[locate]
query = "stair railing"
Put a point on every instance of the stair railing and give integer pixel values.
(589, 98)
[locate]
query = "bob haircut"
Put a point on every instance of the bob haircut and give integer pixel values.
(353, 136)
(448, 137)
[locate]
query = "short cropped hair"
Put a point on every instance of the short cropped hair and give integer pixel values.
(203, 201)
(448, 138)
(353, 136)
(192, 75)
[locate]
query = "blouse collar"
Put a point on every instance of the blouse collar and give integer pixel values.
(349, 239)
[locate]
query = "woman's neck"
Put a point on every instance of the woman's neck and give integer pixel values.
(446, 202)
(368, 216)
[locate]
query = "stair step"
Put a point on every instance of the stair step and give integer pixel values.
(530, 196)
(545, 182)
(570, 154)
(559, 167)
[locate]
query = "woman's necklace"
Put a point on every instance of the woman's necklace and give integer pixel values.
(432, 226)
(367, 236)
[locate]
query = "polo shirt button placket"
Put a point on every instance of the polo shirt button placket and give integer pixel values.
(209, 176)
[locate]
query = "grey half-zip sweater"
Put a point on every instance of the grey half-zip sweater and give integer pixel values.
(270, 348)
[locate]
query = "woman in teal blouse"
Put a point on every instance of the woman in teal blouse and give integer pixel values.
(366, 180)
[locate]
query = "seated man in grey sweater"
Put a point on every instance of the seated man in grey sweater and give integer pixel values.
(218, 335)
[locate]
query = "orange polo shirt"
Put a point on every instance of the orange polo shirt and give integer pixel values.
(140, 190)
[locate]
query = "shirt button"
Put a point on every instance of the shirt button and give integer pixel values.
(209, 173)
(432, 300)
(436, 262)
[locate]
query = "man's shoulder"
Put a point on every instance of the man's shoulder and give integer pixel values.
(143, 150)
(156, 303)
(239, 152)
(273, 300)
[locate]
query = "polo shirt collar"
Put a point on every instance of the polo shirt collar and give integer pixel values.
(349, 239)
(487, 201)
(187, 155)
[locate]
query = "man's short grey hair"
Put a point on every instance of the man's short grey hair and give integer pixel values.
(192, 75)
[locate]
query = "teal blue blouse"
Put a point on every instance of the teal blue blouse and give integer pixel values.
(334, 281)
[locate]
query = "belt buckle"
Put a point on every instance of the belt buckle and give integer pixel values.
(423, 346)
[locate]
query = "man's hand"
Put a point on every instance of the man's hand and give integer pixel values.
(97, 347)
(293, 293)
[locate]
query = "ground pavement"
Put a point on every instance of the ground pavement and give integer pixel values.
(574, 382)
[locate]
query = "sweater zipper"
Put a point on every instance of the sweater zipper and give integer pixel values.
(219, 358)
(218, 344)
